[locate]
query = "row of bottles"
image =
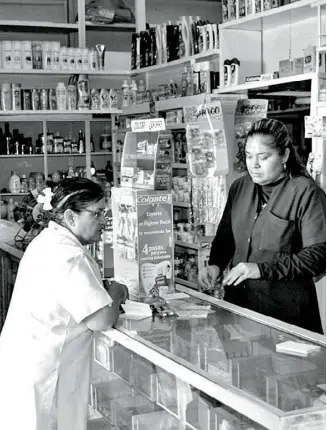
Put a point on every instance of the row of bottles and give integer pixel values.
(16, 143)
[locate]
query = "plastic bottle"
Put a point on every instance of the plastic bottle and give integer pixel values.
(140, 92)
(209, 28)
(61, 93)
(14, 183)
(55, 52)
(71, 59)
(81, 142)
(71, 97)
(158, 45)
(84, 99)
(132, 93)
(26, 55)
(64, 58)
(10, 210)
(235, 68)
(215, 36)
(125, 94)
(185, 35)
(7, 58)
(16, 55)
(227, 73)
(92, 59)
(6, 99)
(24, 184)
(85, 55)
(163, 28)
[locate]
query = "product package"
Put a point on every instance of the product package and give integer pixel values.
(143, 241)
(208, 161)
(146, 160)
(247, 112)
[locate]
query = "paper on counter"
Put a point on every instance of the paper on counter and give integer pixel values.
(297, 348)
(136, 310)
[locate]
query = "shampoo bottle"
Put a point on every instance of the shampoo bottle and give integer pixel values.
(235, 68)
(125, 94)
(227, 73)
(158, 45)
(14, 183)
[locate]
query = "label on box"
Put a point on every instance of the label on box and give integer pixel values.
(155, 230)
(253, 78)
(154, 124)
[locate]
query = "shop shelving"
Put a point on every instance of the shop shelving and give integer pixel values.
(136, 110)
(296, 11)
(33, 26)
(14, 194)
(40, 72)
(175, 126)
(267, 83)
(177, 63)
(57, 113)
(108, 27)
(180, 102)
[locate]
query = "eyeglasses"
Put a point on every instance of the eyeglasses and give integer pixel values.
(97, 214)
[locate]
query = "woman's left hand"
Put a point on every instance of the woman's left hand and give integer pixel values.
(241, 272)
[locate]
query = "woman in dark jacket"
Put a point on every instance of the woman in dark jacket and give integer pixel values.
(272, 233)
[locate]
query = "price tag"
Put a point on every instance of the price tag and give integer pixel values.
(143, 125)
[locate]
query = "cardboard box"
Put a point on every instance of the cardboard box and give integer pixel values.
(143, 241)
(285, 68)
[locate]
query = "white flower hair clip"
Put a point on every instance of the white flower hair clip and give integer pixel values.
(45, 198)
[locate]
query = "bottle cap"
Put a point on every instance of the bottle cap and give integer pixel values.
(235, 61)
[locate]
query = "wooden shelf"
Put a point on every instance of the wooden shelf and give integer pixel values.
(55, 115)
(14, 194)
(270, 19)
(176, 63)
(34, 26)
(110, 27)
(266, 84)
(41, 72)
(186, 283)
(136, 110)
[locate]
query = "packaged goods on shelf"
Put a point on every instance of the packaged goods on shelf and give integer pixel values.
(170, 42)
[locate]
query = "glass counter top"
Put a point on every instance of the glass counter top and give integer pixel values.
(238, 351)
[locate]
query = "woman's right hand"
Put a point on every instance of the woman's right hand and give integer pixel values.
(208, 276)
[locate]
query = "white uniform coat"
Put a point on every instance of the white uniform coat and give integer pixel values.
(45, 349)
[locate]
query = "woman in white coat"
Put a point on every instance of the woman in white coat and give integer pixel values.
(57, 303)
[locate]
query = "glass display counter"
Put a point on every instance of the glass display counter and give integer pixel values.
(216, 368)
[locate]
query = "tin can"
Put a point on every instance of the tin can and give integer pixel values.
(27, 100)
(104, 98)
(35, 99)
(52, 99)
(95, 99)
(44, 99)
(16, 97)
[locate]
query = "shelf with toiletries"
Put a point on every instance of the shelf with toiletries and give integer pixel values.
(178, 63)
(264, 83)
(264, 16)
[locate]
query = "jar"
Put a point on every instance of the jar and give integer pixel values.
(31, 182)
(39, 181)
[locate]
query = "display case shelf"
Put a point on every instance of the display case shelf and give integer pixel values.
(34, 26)
(175, 126)
(66, 115)
(14, 194)
(180, 102)
(267, 83)
(187, 60)
(269, 19)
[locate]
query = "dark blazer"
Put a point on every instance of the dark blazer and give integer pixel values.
(287, 241)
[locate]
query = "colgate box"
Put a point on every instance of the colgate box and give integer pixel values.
(143, 241)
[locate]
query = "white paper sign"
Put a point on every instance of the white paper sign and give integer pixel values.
(315, 126)
(144, 125)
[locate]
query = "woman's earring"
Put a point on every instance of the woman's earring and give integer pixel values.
(284, 165)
